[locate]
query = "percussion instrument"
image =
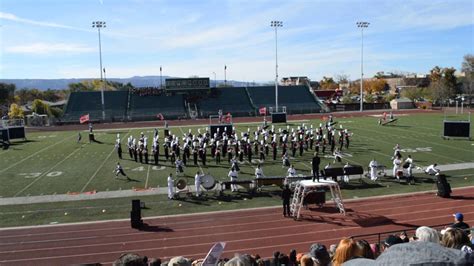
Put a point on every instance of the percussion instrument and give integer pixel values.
(208, 182)
(181, 184)
(400, 173)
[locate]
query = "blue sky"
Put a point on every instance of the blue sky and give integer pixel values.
(54, 38)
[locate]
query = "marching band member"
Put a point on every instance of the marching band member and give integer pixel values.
(396, 165)
(119, 170)
(179, 166)
(291, 172)
(373, 169)
(432, 170)
(409, 166)
(258, 172)
(170, 187)
(197, 184)
(233, 177)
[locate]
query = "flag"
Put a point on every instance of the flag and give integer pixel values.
(225, 67)
(262, 111)
(160, 68)
(212, 258)
(84, 118)
(227, 117)
(160, 116)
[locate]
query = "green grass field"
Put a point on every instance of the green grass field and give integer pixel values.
(53, 163)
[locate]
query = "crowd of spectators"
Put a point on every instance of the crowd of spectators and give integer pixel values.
(451, 246)
(147, 91)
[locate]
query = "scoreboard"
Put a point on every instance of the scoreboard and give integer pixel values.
(187, 84)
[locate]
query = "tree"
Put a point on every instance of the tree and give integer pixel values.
(40, 107)
(435, 74)
(56, 112)
(342, 78)
(15, 111)
(328, 83)
(467, 67)
(7, 93)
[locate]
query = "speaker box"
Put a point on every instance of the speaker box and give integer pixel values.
(278, 117)
(136, 207)
(136, 220)
(457, 129)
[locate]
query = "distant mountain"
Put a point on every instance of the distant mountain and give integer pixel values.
(137, 81)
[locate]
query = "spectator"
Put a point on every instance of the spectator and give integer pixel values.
(403, 236)
(427, 234)
(155, 262)
(320, 254)
(363, 250)
(283, 259)
(239, 260)
(457, 239)
(390, 241)
(179, 261)
(306, 260)
(458, 221)
(292, 257)
(131, 259)
(375, 249)
(345, 251)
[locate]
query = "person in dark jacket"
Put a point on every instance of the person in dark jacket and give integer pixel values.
(315, 166)
(286, 195)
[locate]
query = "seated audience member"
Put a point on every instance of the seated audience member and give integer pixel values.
(403, 236)
(458, 222)
(344, 251)
(427, 234)
(390, 241)
(375, 249)
(240, 260)
(292, 257)
(179, 261)
(320, 254)
(363, 250)
(422, 253)
(457, 239)
(131, 259)
(306, 260)
(155, 262)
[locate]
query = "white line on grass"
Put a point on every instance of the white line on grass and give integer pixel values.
(102, 164)
(434, 154)
(44, 173)
(28, 157)
(147, 175)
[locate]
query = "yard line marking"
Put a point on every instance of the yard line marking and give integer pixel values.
(46, 172)
(433, 143)
(432, 153)
(147, 175)
(34, 154)
(100, 167)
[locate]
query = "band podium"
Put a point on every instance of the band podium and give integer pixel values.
(305, 187)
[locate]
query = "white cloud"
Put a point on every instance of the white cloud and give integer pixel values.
(12, 17)
(49, 48)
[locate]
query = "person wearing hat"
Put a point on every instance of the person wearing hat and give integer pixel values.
(319, 253)
(390, 241)
(458, 222)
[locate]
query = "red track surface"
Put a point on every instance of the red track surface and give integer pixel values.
(261, 231)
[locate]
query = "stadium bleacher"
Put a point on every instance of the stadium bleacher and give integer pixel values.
(81, 103)
(147, 107)
(297, 99)
(233, 100)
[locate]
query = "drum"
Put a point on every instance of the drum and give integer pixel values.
(400, 173)
(208, 182)
(181, 184)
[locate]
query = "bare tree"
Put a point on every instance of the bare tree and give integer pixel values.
(468, 68)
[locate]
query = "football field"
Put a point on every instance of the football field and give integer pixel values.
(55, 163)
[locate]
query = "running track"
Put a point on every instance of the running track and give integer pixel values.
(257, 231)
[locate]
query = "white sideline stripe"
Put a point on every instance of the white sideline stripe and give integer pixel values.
(46, 172)
(28, 157)
(209, 212)
(210, 243)
(100, 167)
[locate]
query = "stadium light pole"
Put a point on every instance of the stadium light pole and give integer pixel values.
(99, 25)
(362, 25)
(215, 80)
(276, 24)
